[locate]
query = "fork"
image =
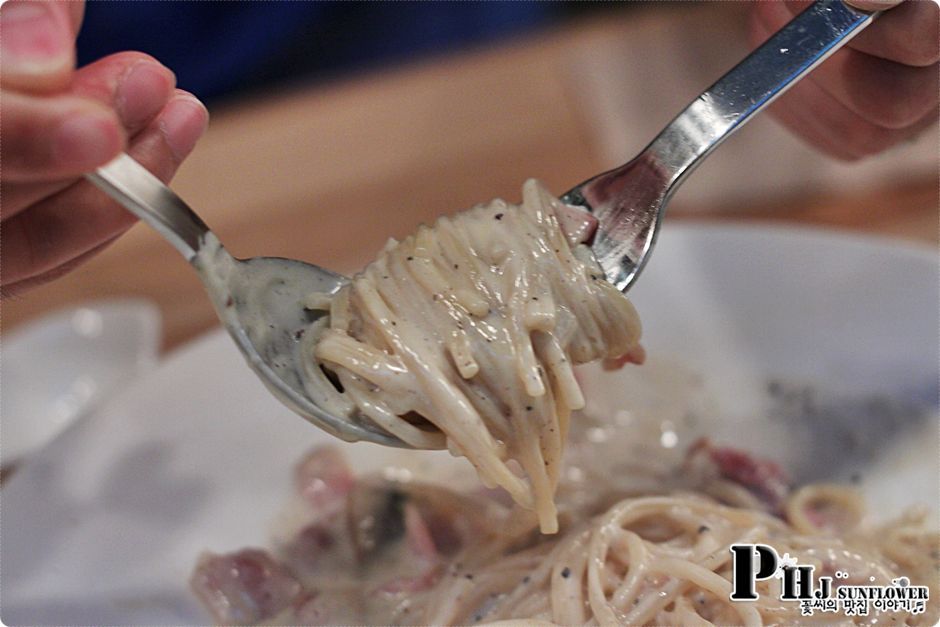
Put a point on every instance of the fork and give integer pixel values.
(629, 202)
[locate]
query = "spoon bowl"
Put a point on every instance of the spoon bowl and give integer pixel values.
(261, 300)
(261, 303)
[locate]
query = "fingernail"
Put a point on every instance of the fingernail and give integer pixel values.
(32, 37)
(182, 123)
(86, 139)
(143, 92)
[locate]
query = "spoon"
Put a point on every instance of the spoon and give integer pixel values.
(261, 300)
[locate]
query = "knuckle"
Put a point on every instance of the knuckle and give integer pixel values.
(870, 139)
(916, 33)
(908, 101)
(924, 51)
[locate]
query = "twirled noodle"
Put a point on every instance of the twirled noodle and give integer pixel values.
(464, 335)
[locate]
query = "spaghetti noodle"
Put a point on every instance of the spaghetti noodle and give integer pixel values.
(464, 335)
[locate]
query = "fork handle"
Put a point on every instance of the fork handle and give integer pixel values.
(793, 51)
(144, 195)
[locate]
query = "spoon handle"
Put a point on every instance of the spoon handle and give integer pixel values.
(144, 195)
(793, 51)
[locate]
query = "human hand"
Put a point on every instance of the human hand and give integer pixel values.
(59, 123)
(879, 90)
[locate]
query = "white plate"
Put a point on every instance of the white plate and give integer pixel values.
(103, 526)
(59, 367)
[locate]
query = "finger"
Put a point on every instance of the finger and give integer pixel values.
(35, 243)
(825, 123)
(76, 14)
(133, 84)
(38, 44)
(906, 34)
(54, 138)
(884, 92)
(15, 289)
(183, 124)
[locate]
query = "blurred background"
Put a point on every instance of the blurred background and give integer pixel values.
(337, 125)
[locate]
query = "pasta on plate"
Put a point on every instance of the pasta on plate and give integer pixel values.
(369, 550)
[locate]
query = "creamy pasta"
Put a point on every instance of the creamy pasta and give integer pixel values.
(377, 551)
(664, 560)
(464, 336)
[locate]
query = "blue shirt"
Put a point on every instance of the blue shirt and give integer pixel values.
(219, 48)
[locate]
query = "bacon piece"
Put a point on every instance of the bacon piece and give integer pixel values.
(577, 223)
(323, 479)
(312, 550)
(243, 588)
(636, 355)
(431, 519)
(419, 537)
(420, 541)
(764, 478)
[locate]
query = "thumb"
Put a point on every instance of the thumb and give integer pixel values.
(37, 45)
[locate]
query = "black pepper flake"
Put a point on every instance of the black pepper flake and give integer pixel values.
(528, 408)
(394, 324)
(456, 267)
(410, 258)
(469, 576)
(565, 572)
(535, 298)
(526, 579)
(703, 529)
(593, 277)
(229, 302)
(299, 333)
(498, 216)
